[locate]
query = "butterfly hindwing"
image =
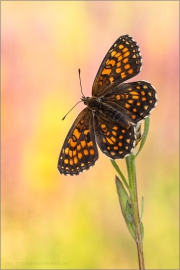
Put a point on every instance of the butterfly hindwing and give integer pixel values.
(114, 140)
(135, 99)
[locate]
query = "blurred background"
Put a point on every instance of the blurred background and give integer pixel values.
(52, 221)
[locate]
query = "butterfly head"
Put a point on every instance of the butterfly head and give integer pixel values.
(85, 100)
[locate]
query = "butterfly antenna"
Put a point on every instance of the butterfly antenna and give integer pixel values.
(79, 71)
(71, 109)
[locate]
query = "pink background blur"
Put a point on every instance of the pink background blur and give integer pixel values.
(53, 221)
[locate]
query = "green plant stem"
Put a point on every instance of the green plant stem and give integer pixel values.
(130, 161)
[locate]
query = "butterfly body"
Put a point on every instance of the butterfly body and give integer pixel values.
(98, 106)
(112, 113)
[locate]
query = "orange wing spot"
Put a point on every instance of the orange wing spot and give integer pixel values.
(143, 93)
(72, 144)
(126, 54)
(114, 133)
(107, 133)
(100, 83)
(134, 110)
(121, 137)
(120, 58)
(118, 64)
(66, 151)
(86, 131)
(145, 86)
(120, 144)
(91, 152)
(146, 107)
(128, 43)
(79, 155)
(120, 152)
(138, 87)
(112, 153)
(127, 106)
(70, 153)
(118, 70)
(144, 99)
(125, 60)
(118, 97)
(115, 128)
(111, 62)
(76, 133)
(128, 140)
(103, 126)
(111, 79)
(83, 144)
(74, 153)
(121, 46)
(90, 144)
(113, 53)
(150, 94)
(71, 162)
(130, 101)
(134, 93)
(138, 104)
(117, 55)
(123, 75)
(133, 116)
(109, 141)
(130, 88)
(127, 147)
(127, 66)
(104, 140)
(75, 160)
(86, 152)
(134, 56)
(125, 50)
(106, 71)
(78, 147)
(130, 71)
(82, 164)
(113, 139)
(115, 148)
(135, 97)
(108, 148)
(123, 131)
(66, 161)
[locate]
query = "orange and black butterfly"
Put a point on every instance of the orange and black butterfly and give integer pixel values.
(112, 112)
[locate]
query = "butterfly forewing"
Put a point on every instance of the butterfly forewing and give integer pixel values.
(122, 62)
(79, 151)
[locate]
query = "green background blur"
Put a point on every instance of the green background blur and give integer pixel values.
(54, 221)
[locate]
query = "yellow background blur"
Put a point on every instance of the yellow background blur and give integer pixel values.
(53, 221)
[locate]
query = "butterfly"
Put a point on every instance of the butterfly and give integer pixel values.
(112, 113)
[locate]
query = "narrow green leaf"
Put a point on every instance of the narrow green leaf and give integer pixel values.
(142, 230)
(124, 202)
(144, 136)
(120, 173)
(142, 207)
(129, 211)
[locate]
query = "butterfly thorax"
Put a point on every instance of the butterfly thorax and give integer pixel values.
(99, 106)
